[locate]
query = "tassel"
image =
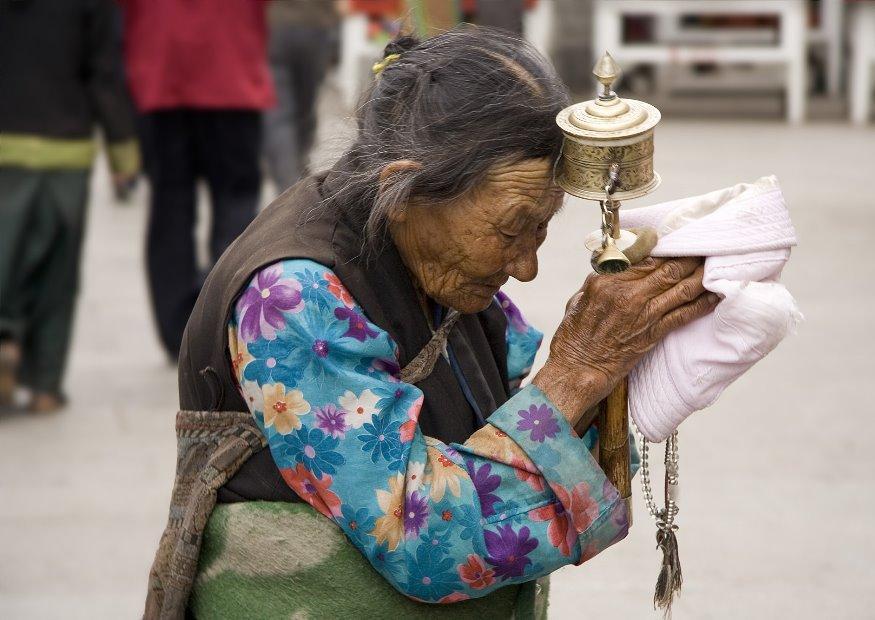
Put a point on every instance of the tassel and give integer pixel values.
(421, 366)
(670, 575)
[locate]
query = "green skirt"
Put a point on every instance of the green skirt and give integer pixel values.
(284, 560)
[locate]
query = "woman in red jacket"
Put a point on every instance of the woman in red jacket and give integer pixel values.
(200, 79)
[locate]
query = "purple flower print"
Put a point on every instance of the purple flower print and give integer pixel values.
(415, 514)
(331, 420)
(262, 304)
(514, 317)
(320, 348)
(508, 550)
(358, 325)
(485, 482)
(540, 421)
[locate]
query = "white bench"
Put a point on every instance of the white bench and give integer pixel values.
(358, 54)
(789, 52)
(863, 55)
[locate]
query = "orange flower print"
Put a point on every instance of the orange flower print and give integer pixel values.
(390, 527)
(407, 431)
(316, 492)
(526, 472)
(282, 409)
(560, 531)
(455, 597)
(240, 355)
(584, 507)
(443, 475)
(579, 503)
(475, 573)
(336, 288)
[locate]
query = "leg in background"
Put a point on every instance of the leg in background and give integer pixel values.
(229, 150)
(54, 284)
(168, 139)
(284, 162)
(308, 55)
(19, 188)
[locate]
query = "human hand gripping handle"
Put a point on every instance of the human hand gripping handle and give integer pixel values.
(611, 322)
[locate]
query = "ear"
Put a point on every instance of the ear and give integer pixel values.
(391, 169)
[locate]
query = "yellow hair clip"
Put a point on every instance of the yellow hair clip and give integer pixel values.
(388, 60)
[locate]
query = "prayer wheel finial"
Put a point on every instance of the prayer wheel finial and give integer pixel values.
(606, 71)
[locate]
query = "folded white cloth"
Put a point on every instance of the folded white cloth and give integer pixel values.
(745, 234)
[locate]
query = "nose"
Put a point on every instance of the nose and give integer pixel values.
(525, 266)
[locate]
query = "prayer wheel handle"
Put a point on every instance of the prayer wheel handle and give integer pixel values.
(614, 449)
(607, 157)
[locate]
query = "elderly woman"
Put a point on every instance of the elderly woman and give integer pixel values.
(360, 320)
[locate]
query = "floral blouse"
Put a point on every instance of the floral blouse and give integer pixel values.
(520, 498)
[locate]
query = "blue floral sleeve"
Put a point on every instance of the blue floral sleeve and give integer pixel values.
(523, 341)
(442, 523)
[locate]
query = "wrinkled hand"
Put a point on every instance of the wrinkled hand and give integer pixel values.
(613, 320)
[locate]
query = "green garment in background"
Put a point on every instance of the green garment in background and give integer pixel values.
(285, 560)
(42, 225)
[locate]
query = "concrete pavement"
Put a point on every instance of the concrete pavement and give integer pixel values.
(777, 500)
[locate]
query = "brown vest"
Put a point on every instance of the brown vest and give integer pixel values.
(221, 455)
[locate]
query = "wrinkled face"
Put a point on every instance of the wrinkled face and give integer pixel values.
(462, 252)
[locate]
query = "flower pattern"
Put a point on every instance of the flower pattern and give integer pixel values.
(357, 524)
(359, 327)
(485, 483)
(315, 491)
(271, 363)
(265, 302)
(336, 288)
(390, 527)
(359, 409)
(509, 550)
(475, 574)
(311, 447)
(332, 421)
(415, 514)
(383, 441)
(282, 410)
(540, 421)
(442, 523)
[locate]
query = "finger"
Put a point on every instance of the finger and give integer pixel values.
(687, 313)
(681, 293)
(671, 272)
(639, 269)
(573, 300)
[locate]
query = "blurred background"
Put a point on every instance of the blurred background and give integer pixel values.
(166, 125)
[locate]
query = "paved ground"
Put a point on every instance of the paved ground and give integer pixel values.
(777, 505)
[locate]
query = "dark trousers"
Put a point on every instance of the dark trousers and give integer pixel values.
(181, 146)
(299, 57)
(42, 224)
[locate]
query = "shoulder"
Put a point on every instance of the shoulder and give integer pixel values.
(301, 305)
(287, 287)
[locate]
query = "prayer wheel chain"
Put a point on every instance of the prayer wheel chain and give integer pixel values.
(670, 579)
(664, 516)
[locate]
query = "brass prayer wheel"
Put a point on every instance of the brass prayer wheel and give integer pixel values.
(607, 156)
(603, 131)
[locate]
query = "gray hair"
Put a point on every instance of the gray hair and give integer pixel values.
(457, 104)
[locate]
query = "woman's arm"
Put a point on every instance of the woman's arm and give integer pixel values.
(519, 499)
(523, 341)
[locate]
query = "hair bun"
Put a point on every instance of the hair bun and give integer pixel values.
(400, 45)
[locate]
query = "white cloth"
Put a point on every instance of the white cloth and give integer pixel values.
(745, 234)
